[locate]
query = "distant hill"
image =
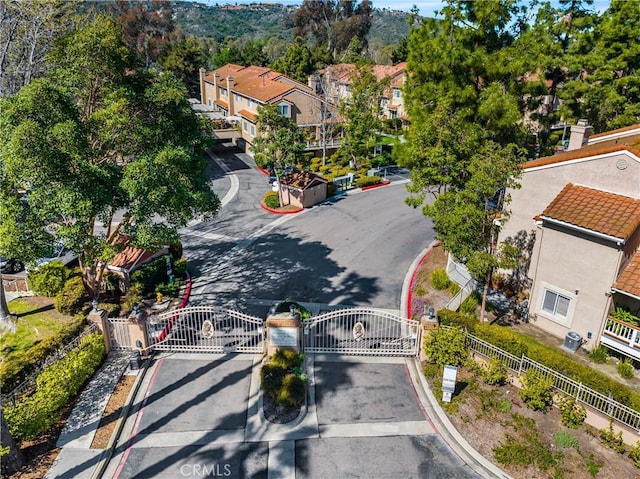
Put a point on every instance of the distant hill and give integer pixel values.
(271, 19)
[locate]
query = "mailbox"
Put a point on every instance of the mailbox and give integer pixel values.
(448, 382)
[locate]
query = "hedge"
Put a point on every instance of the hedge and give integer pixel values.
(71, 297)
(367, 181)
(519, 344)
(48, 279)
(56, 386)
(14, 370)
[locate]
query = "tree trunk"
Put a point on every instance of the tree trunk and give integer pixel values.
(7, 320)
(14, 459)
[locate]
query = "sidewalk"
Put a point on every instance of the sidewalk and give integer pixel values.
(76, 459)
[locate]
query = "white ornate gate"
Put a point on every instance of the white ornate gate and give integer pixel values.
(118, 333)
(362, 331)
(206, 329)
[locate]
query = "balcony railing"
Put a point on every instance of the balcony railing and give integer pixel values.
(622, 336)
(317, 144)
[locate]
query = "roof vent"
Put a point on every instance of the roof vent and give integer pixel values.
(622, 164)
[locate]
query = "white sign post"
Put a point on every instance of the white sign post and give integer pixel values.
(448, 382)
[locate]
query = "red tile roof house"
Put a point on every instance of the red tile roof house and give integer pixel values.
(237, 92)
(583, 208)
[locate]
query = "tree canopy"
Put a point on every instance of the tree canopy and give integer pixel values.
(279, 141)
(97, 137)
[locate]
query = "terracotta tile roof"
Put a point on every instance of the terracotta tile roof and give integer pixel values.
(342, 72)
(248, 115)
(619, 130)
(131, 257)
(301, 180)
(259, 83)
(629, 143)
(629, 279)
(599, 211)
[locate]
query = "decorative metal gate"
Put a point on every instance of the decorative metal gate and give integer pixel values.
(119, 333)
(206, 329)
(362, 331)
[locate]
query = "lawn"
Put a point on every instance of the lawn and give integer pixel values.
(37, 320)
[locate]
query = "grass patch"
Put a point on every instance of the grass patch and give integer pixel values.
(36, 322)
(565, 439)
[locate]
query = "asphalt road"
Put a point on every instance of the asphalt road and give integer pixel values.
(353, 251)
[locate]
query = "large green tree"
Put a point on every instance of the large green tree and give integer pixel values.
(464, 97)
(97, 137)
(361, 112)
(298, 61)
(279, 141)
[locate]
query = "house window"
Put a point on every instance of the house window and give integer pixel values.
(248, 102)
(284, 110)
(556, 304)
(253, 130)
(210, 102)
(245, 127)
(393, 114)
(223, 91)
(397, 94)
(236, 97)
(384, 102)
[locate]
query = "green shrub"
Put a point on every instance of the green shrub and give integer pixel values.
(565, 439)
(626, 369)
(71, 297)
(56, 385)
(573, 414)
(180, 267)
(133, 296)
(495, 372)
(623, 314)
(324, 168)
(599, 354)
(272, 199)
(612, 439)
(293, 391)
(48, 279)
(446, 347)
(465, 321)
(287, 358)
(367, 181)
(469, 305)
(175, 250)
(432, 371)
(112, 309)
(271, 376)
(440, 279)
(634, 453)
(150, 275)
(536, 390)
(500, 337)
(593, 466)
(171, 290)
(454, 288)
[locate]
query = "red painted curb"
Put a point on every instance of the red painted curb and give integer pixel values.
(263, 171)
(377, 185)
(278, 212)
(415, 273)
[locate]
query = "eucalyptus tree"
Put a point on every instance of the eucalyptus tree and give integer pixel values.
(99, 135)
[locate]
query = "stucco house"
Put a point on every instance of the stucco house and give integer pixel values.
(302, 189)
(581, 209)
(338, 79)
(236, 92)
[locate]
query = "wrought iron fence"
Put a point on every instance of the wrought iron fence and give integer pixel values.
(29, 384)
(605, 404)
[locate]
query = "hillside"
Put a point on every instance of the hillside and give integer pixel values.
(271, 20)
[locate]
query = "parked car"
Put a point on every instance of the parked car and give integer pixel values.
(10, 265)
(59, 252)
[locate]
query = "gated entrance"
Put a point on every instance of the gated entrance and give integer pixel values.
(362, 331)
(118, 330)
(206, 329)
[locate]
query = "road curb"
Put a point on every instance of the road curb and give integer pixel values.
(407, 284)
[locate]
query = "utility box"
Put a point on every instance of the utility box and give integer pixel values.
(572, 341)
(449, 382)
(135, 362)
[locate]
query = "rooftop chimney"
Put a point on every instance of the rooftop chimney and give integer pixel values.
(579, 135)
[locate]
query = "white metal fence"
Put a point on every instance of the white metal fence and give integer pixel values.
(362, 331)
(605, 404)
(118, 331)
(206, 329)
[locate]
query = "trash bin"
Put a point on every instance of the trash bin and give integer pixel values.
(135, 361)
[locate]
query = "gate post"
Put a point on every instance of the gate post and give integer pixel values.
(99, 317)
(428, 323)
(283, 331)
(137, 322)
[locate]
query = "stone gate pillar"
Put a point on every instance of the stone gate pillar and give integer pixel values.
(99, 317)
(138, 334)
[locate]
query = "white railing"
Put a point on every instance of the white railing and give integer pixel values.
(622, 331)
(618, 412)
(362, 331)
(328, 143)
(457, 300)
(118, 330)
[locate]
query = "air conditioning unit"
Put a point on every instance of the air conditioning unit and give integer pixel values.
(572, 341)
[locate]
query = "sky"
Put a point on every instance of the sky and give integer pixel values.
(427, 7)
